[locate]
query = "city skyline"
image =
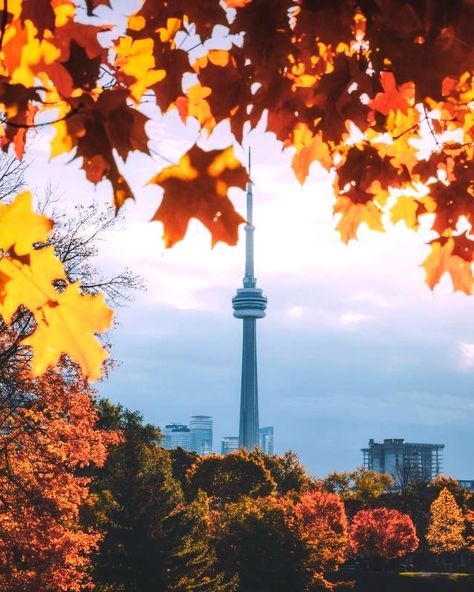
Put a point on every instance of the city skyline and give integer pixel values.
(197, 436)
(355, 344)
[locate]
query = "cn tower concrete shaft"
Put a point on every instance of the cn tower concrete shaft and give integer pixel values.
(249, 305)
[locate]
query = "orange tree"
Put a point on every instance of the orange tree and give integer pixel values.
(48, 438)
(341, 82)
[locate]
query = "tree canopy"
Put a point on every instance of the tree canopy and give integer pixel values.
(342, 83)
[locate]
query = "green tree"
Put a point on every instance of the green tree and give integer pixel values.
(227, 478)
(257, 539)
(152, 539)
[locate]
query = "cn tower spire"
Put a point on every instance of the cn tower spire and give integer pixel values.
(249, 304)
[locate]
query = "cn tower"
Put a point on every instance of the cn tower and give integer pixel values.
(249, 304)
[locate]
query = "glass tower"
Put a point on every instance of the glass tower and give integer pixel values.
(201, 433)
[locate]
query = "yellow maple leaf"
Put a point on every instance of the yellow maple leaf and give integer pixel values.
(441, 261)
(405, 209)
(19, 215)
(70, 328)
(30, 283)
(353, 215)
(309, 148)
(136, 60)
(65, 321)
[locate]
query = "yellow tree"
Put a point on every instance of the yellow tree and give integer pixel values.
(445, 532)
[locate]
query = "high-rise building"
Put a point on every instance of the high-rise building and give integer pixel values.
(249, 305)
(201, 434)
(266, 440)
(405, 461)
(229, 444)
(177, 435)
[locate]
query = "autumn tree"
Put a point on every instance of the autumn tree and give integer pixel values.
(382, 533)
(362, 484)
(445, 531)
(226, 478)
(470, 530)
(48, 439)
(151, 539)
(48, 432)
(276, 544)
(341, 83)
(256, 539)
(324, 530)
(286, 470)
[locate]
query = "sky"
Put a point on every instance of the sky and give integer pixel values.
(354, 345)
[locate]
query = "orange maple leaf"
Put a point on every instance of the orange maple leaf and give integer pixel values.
(441, 260)
(197, 188)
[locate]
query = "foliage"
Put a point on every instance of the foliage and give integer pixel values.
(324, 529)
(152, 540)
(383, 533)
(226, 478)
(341, 83)
(277, 544)
(362, 484)
(48, 431)
(470, 530)
(65, 320)
(445, 532)
(286, 470)
(257, 539)
(48, 437)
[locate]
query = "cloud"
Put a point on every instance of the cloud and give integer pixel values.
(371, 298)
(352, 319)
(296, 311)
(467, 355)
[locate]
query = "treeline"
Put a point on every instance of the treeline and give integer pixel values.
(172, 521)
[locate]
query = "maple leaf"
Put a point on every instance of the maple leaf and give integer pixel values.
(355, 214)
(19, 215)
(325, 66)
(442, 260)
(39, 12)
(393, 98)
(405, 209)
(29, 281)
(365, 170)
(135, 65)
(421, 44)
(65, 321)
(97, 128)
(309, 148)
(69, 328)
(197, 188)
